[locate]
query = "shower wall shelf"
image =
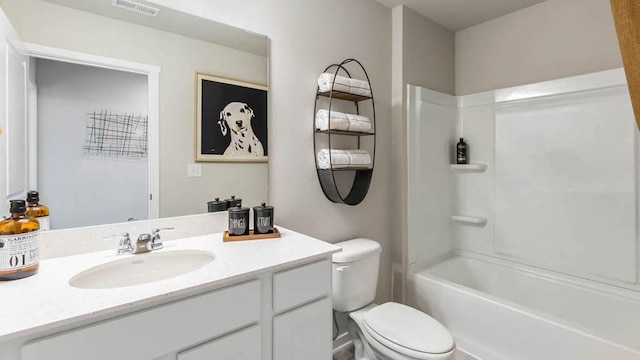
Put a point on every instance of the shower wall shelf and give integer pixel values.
(469, 168)
(469, 219)
(362, 175)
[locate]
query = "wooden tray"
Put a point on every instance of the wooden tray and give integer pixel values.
(275, 234)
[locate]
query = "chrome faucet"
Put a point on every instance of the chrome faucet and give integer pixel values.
(144, 243)
(124, 243)
(156, 244)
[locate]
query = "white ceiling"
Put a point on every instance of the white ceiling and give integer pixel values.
(460, 14)
(177, 22)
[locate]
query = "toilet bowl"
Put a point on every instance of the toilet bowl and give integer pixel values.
(390, 331)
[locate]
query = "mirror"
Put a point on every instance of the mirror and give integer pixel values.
(115, 119)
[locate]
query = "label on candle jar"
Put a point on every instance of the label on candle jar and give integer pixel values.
(264, 221)
(238, 224)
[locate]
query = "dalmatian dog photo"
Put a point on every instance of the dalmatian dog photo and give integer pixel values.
(235, 120)
(231, 120)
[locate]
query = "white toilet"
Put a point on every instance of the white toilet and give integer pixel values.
(390, 331)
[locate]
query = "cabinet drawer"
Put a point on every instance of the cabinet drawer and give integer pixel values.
(151, 333)
(300, 285)
(240, 345)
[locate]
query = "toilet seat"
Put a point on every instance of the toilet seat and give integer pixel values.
(407, 331)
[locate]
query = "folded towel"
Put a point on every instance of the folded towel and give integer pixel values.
(342, 121)
(340, 159)
(325, 81)
(344, 84)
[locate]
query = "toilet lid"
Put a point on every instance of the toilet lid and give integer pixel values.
(406, 327)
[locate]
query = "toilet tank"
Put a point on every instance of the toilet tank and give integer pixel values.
(355, 274)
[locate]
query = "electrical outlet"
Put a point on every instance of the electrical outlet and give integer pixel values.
(194, 170)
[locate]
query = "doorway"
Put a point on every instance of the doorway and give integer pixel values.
(96, 138)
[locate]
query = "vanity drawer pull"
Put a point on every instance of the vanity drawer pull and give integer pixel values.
(300, 285)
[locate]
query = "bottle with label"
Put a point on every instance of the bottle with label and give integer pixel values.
(461, 152)
(19, 244)
(37, 210)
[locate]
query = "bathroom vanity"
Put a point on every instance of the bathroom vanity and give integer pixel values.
(266, 299)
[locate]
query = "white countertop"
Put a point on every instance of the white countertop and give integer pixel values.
(46, 300)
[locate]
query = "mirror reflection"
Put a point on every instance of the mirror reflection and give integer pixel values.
(111, 110)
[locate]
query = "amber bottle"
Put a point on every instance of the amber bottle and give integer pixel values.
(19, 244)
(37, 210)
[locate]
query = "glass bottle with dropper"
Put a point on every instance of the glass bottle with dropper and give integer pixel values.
(19, 243)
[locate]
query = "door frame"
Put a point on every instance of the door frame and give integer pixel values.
(153, 105)
(32, 134)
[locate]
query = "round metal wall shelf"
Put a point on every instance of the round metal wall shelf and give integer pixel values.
(362, 177)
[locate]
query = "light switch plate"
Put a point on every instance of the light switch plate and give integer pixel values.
(194, 170)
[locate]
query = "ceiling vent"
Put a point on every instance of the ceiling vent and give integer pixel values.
(136, 7)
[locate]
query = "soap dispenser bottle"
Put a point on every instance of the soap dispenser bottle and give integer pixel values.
(19, 243)
(461, 152)
(37, 210)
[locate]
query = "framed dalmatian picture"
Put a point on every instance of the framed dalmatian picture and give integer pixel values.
(231, 120)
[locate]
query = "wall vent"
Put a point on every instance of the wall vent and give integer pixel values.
(137, 7)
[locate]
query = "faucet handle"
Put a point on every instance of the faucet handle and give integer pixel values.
(124, 244)
(157, 230)
(155, 238)
(121, 236)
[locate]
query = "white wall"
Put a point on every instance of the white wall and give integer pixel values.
(179, 58)
(432, 120)
(78, 189)
(550, 40)
(560, 190)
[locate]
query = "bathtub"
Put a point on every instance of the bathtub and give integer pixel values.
(497, 310)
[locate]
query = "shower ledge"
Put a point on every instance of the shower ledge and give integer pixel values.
(469, 219)
(469, 168)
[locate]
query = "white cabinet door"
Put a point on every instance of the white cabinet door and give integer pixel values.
(240, 345)
(13, 116)
(304, 333)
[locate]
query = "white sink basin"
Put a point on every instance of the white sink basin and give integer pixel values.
(142, 269)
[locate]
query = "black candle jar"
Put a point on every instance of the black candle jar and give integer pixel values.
(232, 202)
(263, 219)
(216, 205)
(238, 221)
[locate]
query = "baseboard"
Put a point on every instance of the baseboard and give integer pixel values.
(343, 349)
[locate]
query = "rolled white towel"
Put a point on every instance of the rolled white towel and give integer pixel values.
(339, 159)
(339, 121)
(358, 157)
(358, 123)
(325, 81)
(359, 87)
(334, 158)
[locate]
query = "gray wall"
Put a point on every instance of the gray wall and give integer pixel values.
(553, 39)
(428, 52)
(81, 190)
(306, 36)
(423, 55)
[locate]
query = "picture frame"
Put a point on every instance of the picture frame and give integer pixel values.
(231, 120)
